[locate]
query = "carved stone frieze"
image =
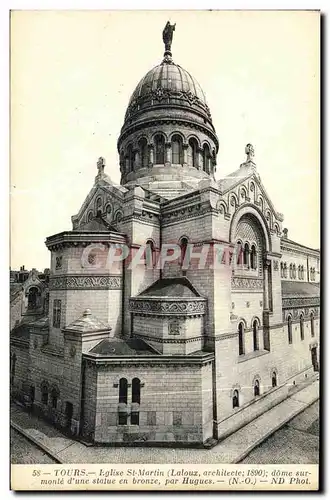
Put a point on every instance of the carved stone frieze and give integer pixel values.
(161, 94)
(174, 327)
(165, 307)
(246, 283)
(70, 282)
(300, 302)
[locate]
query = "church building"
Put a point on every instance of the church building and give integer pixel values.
(136, 347)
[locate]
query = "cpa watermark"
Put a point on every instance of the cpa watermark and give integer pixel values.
(191, 256)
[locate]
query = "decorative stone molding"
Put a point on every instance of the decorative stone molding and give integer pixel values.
(58, 264)
(168, 341)
(294, 302)
(168, 307)
(159, 95)
(72, 351)
(247, 283)
(83, 282)
(174, 327)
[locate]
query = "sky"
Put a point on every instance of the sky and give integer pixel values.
(73, 72)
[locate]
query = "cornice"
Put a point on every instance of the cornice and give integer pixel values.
(149, 360)
(82, 238)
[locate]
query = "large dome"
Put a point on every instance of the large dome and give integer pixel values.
(167, 83)
(167, 143)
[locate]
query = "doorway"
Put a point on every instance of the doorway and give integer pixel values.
(314, 359)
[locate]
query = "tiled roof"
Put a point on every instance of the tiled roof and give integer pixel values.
(98, 224)
(15, 288)
(292, 242)
(299, 289)
(87, 323)
(21, 331)
(119, 347)
(171, 287)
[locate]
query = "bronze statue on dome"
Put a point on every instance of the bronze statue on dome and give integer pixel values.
(168, 36)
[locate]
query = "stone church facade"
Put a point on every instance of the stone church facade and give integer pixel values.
(137, 352)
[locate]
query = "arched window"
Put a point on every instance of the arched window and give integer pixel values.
(235, 399)
(312, 273)
(143, 151)
(290, 272)
(57, 313)
(12, 368)
(177, 150)
(89, 216)
(253, 257)
(123, 390)
(136, 390)
(301, 327)
(33, 298)
(274, 379)
(255, 336)
(130, 158)
(183, 246)
(256, 388)
(285, 270)
(302, 272)
(54, 397)
(290, 330)
(192, 153)
(282, 270)
(206, 158)
(246, 254)
(136, 396)
(159, 150)
(122, 401)
(150, 254)
(122, 160)
(32, 393)
(312, 325)
(241, 339)
(240, 253)
(294, 272)
(98, 205)
(44, 393)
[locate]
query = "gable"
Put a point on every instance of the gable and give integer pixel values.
(246, 187)
(106, 200)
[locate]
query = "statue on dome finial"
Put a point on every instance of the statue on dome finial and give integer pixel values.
(168, 37)
(249, 151)
(100, 165)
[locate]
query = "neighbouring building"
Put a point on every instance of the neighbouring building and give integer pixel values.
(137, 354)
(29, 295)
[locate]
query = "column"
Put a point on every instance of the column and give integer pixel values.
(185, 154)
(151, 154)
(266, 284)
(136, 156)
(168, 151)
(199, 158)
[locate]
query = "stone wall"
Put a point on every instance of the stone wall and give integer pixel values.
(173, 407)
